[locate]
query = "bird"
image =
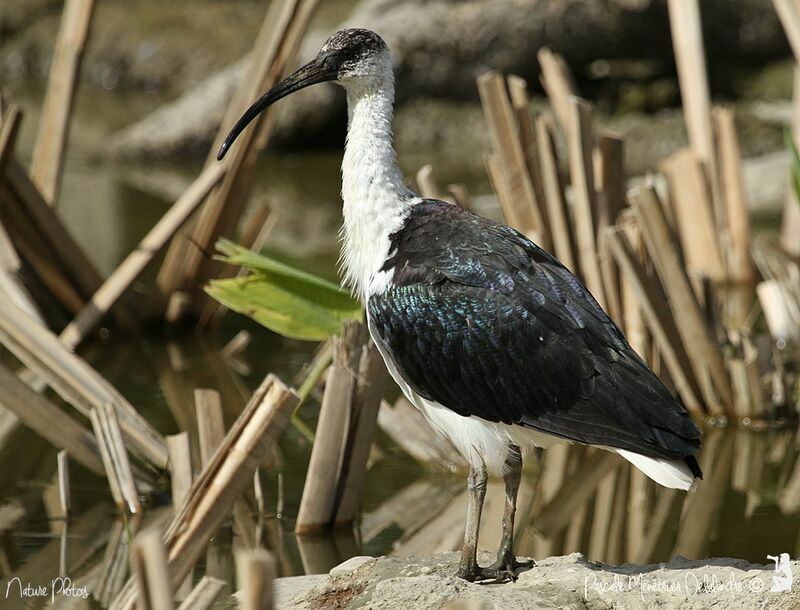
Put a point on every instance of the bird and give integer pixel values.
(503, 350)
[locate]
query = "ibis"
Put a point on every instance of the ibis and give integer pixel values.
(497, 343)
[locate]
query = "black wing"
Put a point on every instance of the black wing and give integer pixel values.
(483, 321)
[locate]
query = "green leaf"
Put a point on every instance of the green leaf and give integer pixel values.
(795, 161)
(286, 300)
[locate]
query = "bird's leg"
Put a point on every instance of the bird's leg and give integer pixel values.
(507, 564)
(476, 485)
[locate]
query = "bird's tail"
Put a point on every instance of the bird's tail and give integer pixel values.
(675, 474)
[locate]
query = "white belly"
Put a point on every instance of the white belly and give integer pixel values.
(475, 438)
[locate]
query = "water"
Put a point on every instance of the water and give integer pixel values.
(577, 499)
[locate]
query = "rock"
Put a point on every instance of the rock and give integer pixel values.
(350, 565)
(440, 46)
(389, 583)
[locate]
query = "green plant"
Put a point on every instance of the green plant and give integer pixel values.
(794, 159)
(288, 301)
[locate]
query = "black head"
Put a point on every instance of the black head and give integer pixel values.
(348, 56)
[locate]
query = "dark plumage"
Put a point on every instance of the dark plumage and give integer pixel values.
(483, 321)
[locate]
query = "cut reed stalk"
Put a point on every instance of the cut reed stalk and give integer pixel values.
(426, 182)
(136, 262)
(687, 41)
(149, 565)
(659, 320)
(704, 354)
(557, 82)
(210, 423)
(49, 421)
(520, 103)
(51, 139)
(693, 214)
(9, 128)
(371, 382)
(407, 427)
(740, 264)
(115, 458)
(254, 235)
(63, 485)
(255, 569)
(581, 146)
(318, 504)
(185, 268)
(74, 380)
(71, 256)
(205, 593)
(554, 199)
(504, 132)
(790, 222)
(460, 195)
(236, 345)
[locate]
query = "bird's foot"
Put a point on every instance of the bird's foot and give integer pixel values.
(505, 569)
(508, 564)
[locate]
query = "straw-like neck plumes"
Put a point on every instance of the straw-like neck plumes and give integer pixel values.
(375, 199)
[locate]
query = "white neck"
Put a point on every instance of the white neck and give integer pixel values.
(375, 198)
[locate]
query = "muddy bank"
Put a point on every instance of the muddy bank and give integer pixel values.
(556, 582)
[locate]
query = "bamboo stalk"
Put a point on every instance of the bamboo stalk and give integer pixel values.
(133, 265)
(703, 353)
(255, 569)
(693, 214)
(51, 139)
(49, 421)
(149, 563)
(504, 132)
(115, 458)
(557, 82)
(738, 216)
(581, 145)
(371, 382)
(74, 380)
(318, 504)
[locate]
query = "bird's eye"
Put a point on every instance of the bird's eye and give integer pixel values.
(331, 62)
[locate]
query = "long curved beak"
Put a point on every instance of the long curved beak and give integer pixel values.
(313, 72)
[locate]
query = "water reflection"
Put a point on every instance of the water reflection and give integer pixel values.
(575, 499)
